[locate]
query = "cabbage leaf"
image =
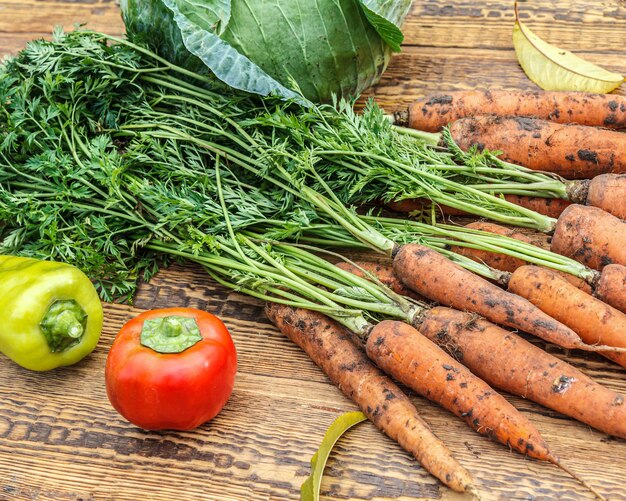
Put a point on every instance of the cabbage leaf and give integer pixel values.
(314, 48)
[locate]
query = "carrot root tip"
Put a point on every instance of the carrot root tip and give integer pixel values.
(580, 480)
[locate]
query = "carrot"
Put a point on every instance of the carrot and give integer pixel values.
(572, 151)
(431, 113)
(410, 358)
(329, 345)
(508, 263)
(612, 286)
(608, 285)
(401, 351)
(507, 361)
(608, 192)
(593, 320)
(591, 236)
(381, 271)
(436, 277)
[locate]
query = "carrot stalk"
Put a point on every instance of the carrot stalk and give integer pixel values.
(504, 262)
(551, 207)
(607, 285)
(571, 151)
(382, 272)
(329, 345)
(496, 260)
(431, 113)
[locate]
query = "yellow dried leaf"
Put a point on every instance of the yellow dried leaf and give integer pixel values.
(552, 68)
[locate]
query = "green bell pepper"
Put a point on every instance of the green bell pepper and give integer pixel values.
(51, 313)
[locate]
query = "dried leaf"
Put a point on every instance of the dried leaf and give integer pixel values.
(552, 68)
(310, 490)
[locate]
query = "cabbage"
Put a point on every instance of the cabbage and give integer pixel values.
(318, 48)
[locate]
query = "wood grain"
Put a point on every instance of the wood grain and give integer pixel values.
(61, 440)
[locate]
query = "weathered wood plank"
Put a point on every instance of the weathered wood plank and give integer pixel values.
(418, 71)
(577, 25)
(31, 16)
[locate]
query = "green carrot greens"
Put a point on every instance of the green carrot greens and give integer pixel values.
(106, 147)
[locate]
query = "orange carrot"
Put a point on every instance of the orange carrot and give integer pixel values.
(329, 345)
(436, 277)
(572, 151)
(507, 361)
(406, 355)
(593, 320)
(591, 236)
(611, 288)
(608, 192)
(433, 112)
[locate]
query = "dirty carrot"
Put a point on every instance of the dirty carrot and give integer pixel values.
(431, 113)
(433, 374)
(458, 288)
(393, 346)
(571, 151)
(329, 345)
(591, 236)
(608, 192)
(595, 321)
(611, 288)
(507, 361)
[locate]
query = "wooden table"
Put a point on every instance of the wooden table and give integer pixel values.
(61, 440)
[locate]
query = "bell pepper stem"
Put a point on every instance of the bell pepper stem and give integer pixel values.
(171, 334)
(63, 324)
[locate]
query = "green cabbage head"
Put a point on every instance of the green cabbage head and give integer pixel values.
(321, 47)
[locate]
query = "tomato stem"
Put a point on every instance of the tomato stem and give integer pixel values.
(170, 334)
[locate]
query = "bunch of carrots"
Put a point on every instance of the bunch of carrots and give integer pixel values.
(535, 132)
(215, 178)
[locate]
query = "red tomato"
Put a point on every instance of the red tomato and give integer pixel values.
(177, 391)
